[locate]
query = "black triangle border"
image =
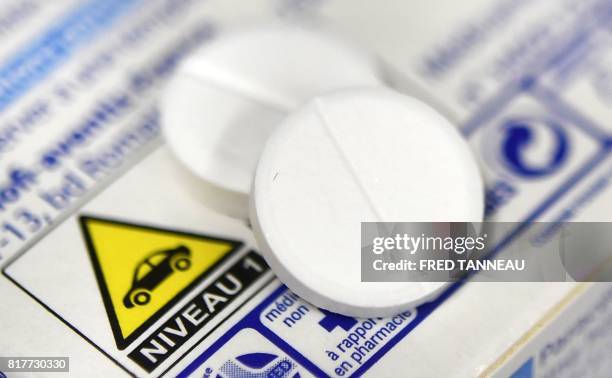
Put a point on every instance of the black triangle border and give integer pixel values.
(121, 342)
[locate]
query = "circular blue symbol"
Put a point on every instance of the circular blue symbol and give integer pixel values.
(522, 135)
(259, 365)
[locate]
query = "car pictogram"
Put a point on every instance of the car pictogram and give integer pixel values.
(153, 270)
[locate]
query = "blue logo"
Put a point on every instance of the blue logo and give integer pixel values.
(520, 139)
(259, 365)
(332, 320)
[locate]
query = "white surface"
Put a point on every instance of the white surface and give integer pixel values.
(230, 94)
(350, 157)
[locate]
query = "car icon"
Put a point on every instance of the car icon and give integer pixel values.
(153, 270)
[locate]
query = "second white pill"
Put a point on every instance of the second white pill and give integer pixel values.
(227, 97)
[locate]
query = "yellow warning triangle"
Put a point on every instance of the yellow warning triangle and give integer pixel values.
(142, 271)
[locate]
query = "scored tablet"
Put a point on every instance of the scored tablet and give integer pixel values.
(366, 155)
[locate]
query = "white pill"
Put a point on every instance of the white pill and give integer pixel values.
(350, 157)
(225, 99)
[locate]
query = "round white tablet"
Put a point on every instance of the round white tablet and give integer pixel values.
(226, 98)
(366, 155)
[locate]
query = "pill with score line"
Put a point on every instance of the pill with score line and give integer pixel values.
(228, 96)
(360, 155)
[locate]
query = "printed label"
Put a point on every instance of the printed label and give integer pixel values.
(137, 287)
(143, 270)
